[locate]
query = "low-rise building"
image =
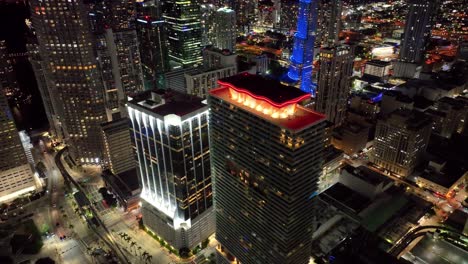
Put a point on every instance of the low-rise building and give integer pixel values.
(378, 68)
(350, 138)
(125, 187)
(365, 181)
(441, 177)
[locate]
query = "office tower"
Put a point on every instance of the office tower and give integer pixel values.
(336, 68)
(122, 14)
(184, 32)
(288, 14)
(118, 151)
(225, 29)
(246, 11)
(417, 30)
(328, 22)
(302, 57)
(71, 71)
(266, 152)
(120, 65)
(276, 12)
(7, 75)
(400, 141)
(55, 128)
(170, 135)
(16, 175)
(208, 16)
(151, 31)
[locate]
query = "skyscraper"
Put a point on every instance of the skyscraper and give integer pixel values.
(50, 108)
(417, 30)
(71, 72)
(170, 135)
(207, 20)
(16, 176)
(302, 57)
(225, 29)
(120, 65)
(152, 39)
(266, 153)
(400, 141)
(329, 22)
(336, 68)
(184, 32)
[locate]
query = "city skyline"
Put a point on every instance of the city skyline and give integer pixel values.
(233, 132)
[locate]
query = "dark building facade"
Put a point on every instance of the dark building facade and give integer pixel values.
(266, 153)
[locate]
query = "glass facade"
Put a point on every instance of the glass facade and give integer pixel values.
(72, 73)
(173, 159)
(265, 172)
(184, 30)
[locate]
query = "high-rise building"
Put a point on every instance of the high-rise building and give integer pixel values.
(225, 29)
(328, 22)
(184, 32)
(208, 16)
(336, 68)
(120, 65)
(417, 30)
(72, 74)
(246, 11)
(302, 57)
(288, 14)
(50, 107)
(400, 141)
(266, 151)
(170, 136)
(16, 175)
(152, 38)
(7, 74)
(118, 152)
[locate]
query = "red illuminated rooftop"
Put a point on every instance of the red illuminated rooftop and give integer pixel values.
(264, 89)
(269, 100)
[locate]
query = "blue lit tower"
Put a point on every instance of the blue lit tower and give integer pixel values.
(304, 41)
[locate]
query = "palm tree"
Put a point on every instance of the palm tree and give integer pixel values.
(139, 249)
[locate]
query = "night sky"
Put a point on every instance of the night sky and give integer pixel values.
(13, 30)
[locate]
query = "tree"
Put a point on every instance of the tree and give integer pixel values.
(205, 243)
(46, 260)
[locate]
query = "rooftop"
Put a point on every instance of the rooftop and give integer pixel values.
(347, 197)
(268, 90)
(448, 176)
(412, 120)
(167, 102)
(367, 175)
(379, 63)
(272, 93)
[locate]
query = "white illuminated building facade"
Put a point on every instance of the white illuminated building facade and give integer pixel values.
(16, 175)
(170, 136)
